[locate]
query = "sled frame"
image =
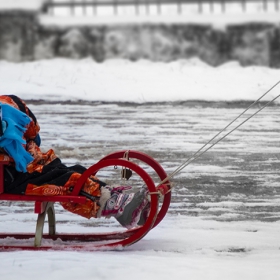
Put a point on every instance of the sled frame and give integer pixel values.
(44, 207)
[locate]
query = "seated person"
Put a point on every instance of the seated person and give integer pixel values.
(32, 172)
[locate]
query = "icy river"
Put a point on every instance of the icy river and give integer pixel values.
(237, 179)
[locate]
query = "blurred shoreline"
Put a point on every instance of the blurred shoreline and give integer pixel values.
(186, 103)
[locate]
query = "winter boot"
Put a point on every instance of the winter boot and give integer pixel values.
(126, 208)
(144, 214)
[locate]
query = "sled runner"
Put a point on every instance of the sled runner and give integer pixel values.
(44, 206)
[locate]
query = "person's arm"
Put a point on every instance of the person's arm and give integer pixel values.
(14, 124)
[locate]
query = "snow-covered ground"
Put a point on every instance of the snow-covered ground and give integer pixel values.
(229, 235)
(120, 80)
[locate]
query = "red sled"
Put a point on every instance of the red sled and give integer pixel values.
(44, 206)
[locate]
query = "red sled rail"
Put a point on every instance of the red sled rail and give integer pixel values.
(44, 206)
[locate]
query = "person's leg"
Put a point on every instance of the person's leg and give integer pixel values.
(104, 201)
(55, 173)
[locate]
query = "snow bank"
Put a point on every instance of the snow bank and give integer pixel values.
(138, 82)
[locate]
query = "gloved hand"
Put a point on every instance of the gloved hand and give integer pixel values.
(14, 124)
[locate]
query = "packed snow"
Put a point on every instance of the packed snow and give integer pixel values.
(119, 80)
(182, 246)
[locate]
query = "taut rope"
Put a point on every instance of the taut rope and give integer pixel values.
(198, 154)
